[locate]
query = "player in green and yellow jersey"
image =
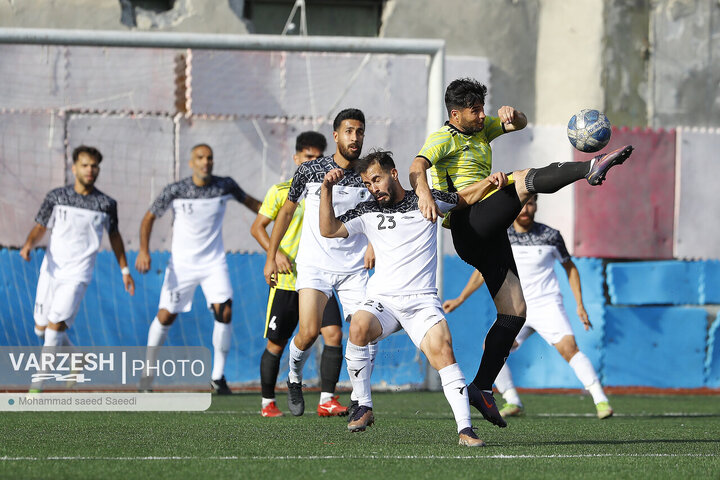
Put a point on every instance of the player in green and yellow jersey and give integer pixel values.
(459, 154)
(282, 310)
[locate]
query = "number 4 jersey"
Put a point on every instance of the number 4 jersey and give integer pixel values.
(405, 243)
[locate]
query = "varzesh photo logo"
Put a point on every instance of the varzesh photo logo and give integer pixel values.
(105, 368)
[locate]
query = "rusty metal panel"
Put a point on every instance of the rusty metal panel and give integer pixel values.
(631, 214)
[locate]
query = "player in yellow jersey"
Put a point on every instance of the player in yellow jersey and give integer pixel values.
(282, 310)
(459, 154)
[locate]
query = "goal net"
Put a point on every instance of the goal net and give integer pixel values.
(144, 108)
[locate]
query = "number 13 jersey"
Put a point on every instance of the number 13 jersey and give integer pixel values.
(198, 216)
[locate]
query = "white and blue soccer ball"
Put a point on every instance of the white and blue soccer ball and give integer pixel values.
(589, 130)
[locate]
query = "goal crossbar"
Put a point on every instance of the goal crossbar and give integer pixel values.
(433, 48)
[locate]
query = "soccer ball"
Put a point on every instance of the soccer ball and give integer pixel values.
(589, 130)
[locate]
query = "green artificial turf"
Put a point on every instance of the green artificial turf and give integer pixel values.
(414, 437)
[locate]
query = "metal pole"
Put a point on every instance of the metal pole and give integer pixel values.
(102, 38)
(435, 119)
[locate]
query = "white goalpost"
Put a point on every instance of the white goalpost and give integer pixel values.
(145, 97)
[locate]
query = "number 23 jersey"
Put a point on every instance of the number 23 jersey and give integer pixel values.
(405, 243)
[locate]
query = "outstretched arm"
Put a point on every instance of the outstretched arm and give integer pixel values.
(330, 226)
(33, 238)
(116, 242)
(418, 179)
(142, 262)
(512, 119)
(251, 203)
(476, 280)
(282, 221)
(259, 231)
(574, 281)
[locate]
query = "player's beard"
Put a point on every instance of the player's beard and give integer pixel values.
(526, 220)
(347, 154)
(88, 184)
(388, 198)
(472, 128)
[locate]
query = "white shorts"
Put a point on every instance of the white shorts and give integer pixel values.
(548, 319)
(180, 283)
(350, 288)
(57, 300)
(416, 314)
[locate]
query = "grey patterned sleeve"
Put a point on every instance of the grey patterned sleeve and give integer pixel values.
(297, 187)
(163, 201)
(559, 243)
(349, 215)
(112, 217)
(365, 207)
(46, 209)
(446, 200)
(236, 191)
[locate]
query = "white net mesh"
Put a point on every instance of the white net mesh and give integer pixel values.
(144, 109)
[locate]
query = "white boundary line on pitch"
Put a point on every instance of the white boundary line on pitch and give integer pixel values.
(360, 457)
(593, 415)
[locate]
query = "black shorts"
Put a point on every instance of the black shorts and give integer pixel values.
(283, 314)
(479, 234)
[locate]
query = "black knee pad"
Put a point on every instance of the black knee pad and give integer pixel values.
(219, 313)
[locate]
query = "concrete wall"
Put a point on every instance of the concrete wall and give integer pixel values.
(645, 63)
(504, 31)
(207, 16)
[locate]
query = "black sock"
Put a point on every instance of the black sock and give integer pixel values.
(498, 343)
(269, 368)
(330, 365)
(552, 178)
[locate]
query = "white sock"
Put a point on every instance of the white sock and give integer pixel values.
(40, 334)
(597, 393)
(325, 397)
(585, 372)
(52, 338)
(504, 379)
(157, 334)
(511, 396)
(505, 385)
(296, 360)
(267, 401)
(373, 353)
(222, 334)
(453, 383)
(359, 368)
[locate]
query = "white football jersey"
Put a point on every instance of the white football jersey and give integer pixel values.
(405, 243)
(76, 222)
(198, 216)
(535, 254)
(335, 255)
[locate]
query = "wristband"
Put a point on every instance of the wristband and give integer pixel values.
(125, 271)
